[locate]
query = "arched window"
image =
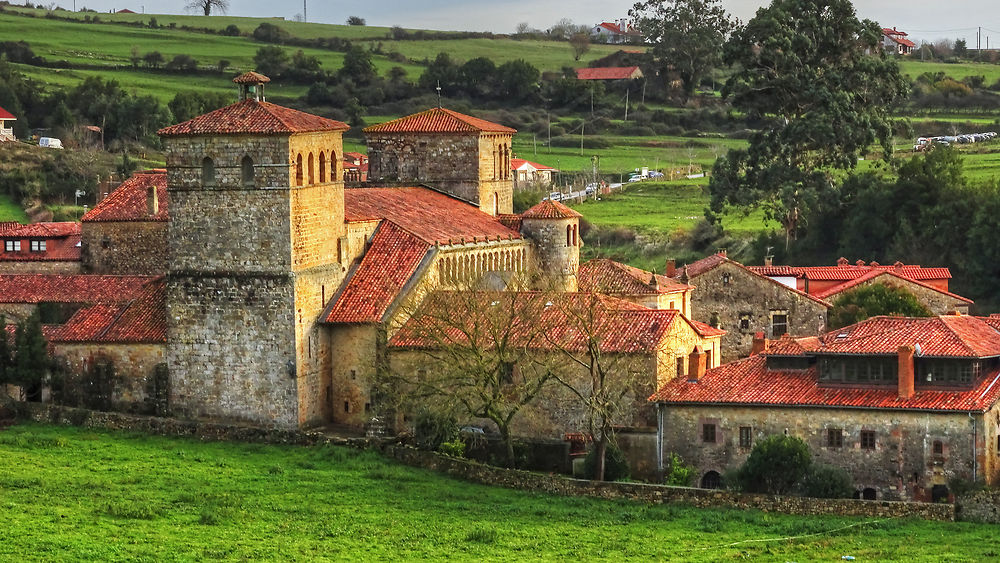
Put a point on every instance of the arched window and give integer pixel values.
(312, 170)
(298, 170)
(569, 235)
(207, 172)
(322, 167)
(333, 166)
(246, 172)
(576, 240)
(711, 480)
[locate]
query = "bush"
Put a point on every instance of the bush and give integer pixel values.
(775, 466)
(526, 199)
(678, 474)
(827, 481)
(455, 448)
(432, 429)
(615, 465)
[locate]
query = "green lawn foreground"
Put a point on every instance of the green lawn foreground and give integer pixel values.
(70, 494)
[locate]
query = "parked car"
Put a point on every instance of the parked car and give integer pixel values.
(555, 196)
(50, 143)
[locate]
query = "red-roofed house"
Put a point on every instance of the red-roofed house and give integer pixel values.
(609, 73)
(126, 233)
(355, 167)
(638, 286)
(742, 302)
(531, 175)
(905, 405)
(40, 248)
(617, 32)
(6, 128)
(896, 41)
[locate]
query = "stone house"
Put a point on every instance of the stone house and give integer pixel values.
(40, 248)
(648, 289)
(742, 302)
(905, 405)
(126, 233)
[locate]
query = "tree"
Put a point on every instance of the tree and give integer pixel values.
(271, 60)
(182, 63)
(358, 66)
(355, 20)
(816, 75)
(518, 79)
(223, 64)
(153, 59)
(270, 33)
(960, 48)
(134, 57)
(687, 35)
(827, 481)
(441, 72)
(206, 6)
(6, 358)
(873, 300)
(775, 465)
(31, 358)
(479, 76)
(580, 44)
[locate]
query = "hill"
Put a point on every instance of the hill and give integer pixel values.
(79, 494)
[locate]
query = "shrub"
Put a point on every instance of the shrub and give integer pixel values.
(615, 465)
(431, 429)
(455, 448)
(525, 199)
(678, 474)
(827, 481)
(776, 465)
(873, 300)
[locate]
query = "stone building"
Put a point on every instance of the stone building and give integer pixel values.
(741, 302)
(905, 405)
(638, 286)
(39, 248)
(462, 155)
(126, 233)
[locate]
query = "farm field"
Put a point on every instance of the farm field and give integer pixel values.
(72, 494)
(914, 67)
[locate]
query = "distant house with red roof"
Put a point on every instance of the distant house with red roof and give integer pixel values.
(905, 405)
(40, 248)
(609, 73)
(6, 127)
(896, 41)
(126, 233)
(529, 174)
(616, 32)
(928, 284)
(355, 167)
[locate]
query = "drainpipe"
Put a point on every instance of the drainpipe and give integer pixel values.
(975, 438)
(659, 440)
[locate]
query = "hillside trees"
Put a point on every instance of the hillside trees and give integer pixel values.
(815, 73)
(687, 35)
(873, 300)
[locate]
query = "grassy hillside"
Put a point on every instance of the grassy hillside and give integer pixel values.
(11, 210)
(74, 494)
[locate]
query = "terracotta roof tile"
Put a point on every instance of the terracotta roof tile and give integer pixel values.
(786, 271)
(251, 77)
(749, 382)
(709, 263)
(253, 118)
(510, 220)
(142, 319)
(549, 209)
(390, 261)
(34, 288)
(943, 336)
(608, 73)
(793, 346)
(439, 120)
(39, 230)
(602, 275)
(433, 217)
(128, 202)
(876, 273)
(62, 242)
(517, 163)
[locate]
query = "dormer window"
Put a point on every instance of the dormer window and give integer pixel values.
(38, 246)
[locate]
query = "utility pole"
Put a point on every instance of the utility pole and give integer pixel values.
(305, 11)
(582, 127)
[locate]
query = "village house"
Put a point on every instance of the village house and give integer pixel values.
(742, 302)
(355, 167)
(609, 73)
(928, 285)
(40, 248)
(648, 289)
(617, 32)
(531, 175)
(895, 41)
(906, 406)
(6, 127)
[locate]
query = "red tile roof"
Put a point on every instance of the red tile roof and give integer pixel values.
(749, 382)
(4, 114)
(39, 230)
(371, 288)
(35, 288)
(511, 221)
(537, 320)
(517, 163)
(141, 319)
(608, 73)
(549, 209)
(253, 118)
(876, 273)
(433, 217)
(58, 248)
(251, 77)
(943, 336)
(785, 271)
(439, 120)
(797, 346)
(850, 272)
(607, 276)
(709, 263)
(128, 201)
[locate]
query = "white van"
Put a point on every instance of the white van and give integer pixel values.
(50, 143)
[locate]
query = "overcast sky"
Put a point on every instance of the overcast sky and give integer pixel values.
(926, 19)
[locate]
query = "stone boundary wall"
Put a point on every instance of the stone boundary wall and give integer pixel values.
(981, 508)
(658, 494)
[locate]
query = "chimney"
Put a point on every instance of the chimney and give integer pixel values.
(768, 260)
(842, 261)
(696, 364)
(906, 371)
(859, 263)
(152, 202)
(898, 266)
(760, 344)
(671, 268)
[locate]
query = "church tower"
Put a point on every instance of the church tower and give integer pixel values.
(462, 155)
(555, 230)
(255, 243)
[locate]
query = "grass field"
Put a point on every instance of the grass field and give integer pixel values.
(11, 210)
(914, 67)
(71, 494)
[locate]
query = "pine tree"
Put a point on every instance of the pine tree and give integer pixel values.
(31, 361)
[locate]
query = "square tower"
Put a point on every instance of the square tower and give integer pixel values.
(467, 157)
(255, 238)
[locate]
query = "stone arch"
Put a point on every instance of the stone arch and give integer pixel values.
(869, 494)
(247, 172)
(576, 239)
(711, 480)
(322, 167)
(569, 235)
(312, 169)
(298, 170)
(207, 172)
(333, 166)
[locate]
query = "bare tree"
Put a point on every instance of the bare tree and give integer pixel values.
(207, 6)
(580, 43)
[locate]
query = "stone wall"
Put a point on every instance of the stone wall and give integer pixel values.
(980, 506)
(40, 267)
(124, 247)
(134, 369)
(558, 254)
(936, 302)
(657, 494)
(755, 297)
(902, 465)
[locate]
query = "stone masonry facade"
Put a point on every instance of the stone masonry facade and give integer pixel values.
(124, 247)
